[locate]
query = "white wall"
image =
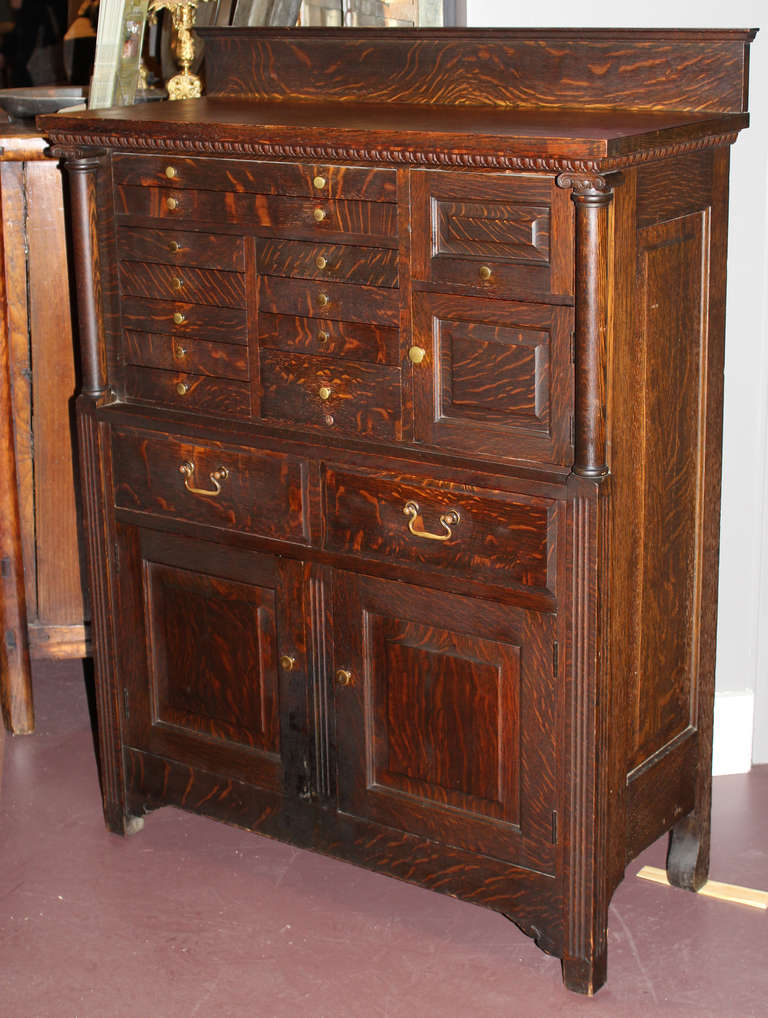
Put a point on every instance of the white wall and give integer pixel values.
(742, 655)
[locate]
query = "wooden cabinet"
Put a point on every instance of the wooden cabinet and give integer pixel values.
(43, 612)
(400, 422)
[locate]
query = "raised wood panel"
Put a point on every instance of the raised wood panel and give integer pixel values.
(432, 729)
(203, 626)
(672, 267)
(496, 378)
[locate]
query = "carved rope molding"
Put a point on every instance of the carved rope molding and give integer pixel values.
(74, 146)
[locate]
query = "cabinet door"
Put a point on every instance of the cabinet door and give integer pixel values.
(445, 718)
(203, 629)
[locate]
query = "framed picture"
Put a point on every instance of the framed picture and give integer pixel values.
(119, 38)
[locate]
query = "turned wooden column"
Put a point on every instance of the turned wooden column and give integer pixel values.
(592, 196)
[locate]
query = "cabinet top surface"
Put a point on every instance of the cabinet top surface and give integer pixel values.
(510, 99)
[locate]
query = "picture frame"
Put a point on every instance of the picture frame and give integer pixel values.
(119, 40)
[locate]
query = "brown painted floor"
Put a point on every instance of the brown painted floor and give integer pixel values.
(194, 919)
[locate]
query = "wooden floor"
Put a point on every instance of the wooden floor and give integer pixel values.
(192, 919)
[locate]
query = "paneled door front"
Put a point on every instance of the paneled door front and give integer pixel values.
(445, 717)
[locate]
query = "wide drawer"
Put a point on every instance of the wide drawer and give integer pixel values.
(181, 247)
(301, 179)
(220, 396)
(262, 493)
(182, 319)
(344, 263)
(195, 286)
(338, 301)
(174, 353)
(489, 538)
(331, 219)
(358, 399)
(492, 234)
(352, 340)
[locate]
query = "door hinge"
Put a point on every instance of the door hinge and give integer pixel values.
(573, 431)
(555, 658)
(126, 704)
(116, 555)
(554, 827)
(573, 347)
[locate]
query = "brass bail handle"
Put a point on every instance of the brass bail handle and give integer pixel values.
(187, 469)
(448, 520)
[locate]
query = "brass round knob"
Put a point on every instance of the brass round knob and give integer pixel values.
(177, 282)
(174, 246)
(323, 336)
(319, 183)
(320, 262)
(287, 661)
(179, 318)
(319, 215)
(485, 272)
(344, 677)
(182, 388)
(416, 354)
(329, 420)
(172, 203)
(179, 351)
(324, 392)
(170, 172)
(323, 300)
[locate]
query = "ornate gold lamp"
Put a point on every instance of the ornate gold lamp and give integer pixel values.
(183, 85)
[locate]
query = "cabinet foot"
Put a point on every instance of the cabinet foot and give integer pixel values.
(688, 853)
(119, 822)
(585, 975)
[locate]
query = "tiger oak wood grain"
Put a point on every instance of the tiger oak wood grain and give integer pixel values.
(510, 702)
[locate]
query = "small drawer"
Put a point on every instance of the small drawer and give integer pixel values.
(177, 353)
(351, 340)
(184, 283)
(328, 219)
(186, 391)
(491, 234)
(337, 301)
(181, 247)
(260, 493)
(225, 324)
(300, 179)
(357, 399)
(474, 535)
(368, 265)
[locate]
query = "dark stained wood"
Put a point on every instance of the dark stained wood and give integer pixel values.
(498, 541)
(174, 353)
(338, 301)
(264, 492)
(351, 340)
(179, 247)
(370, 266)
(227, 325)
(505, 692)
(496, 377)
(337, 395)
(302, 180)
(517, 67)
(190, 285)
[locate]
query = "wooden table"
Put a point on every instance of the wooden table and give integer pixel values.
(41, 596)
